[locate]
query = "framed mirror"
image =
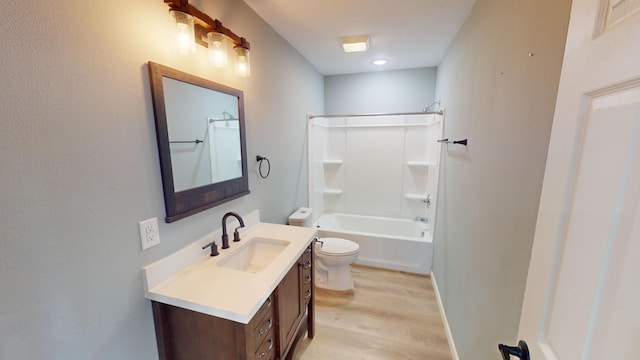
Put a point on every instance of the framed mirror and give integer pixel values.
(201, 141)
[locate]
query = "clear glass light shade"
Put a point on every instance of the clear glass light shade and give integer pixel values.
(184, 32)
(243, 66)
(217, 49)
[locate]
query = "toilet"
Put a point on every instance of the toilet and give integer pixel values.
(332, 255)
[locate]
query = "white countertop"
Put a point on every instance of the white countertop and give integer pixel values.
(205, 287)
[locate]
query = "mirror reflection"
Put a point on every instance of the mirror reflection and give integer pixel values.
(204, 134)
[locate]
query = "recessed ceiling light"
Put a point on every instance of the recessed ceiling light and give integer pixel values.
(355, 43)
(379, 62)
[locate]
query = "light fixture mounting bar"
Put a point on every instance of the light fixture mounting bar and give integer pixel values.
(204, 23)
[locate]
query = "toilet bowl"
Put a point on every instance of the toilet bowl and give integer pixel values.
(332, 259)
(332, 256)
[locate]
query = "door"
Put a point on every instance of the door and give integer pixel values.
(583, 287)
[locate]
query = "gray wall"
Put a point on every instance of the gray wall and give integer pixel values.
(502, 100)
(380, 92)
(79, 165)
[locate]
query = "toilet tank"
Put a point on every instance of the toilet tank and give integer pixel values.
(302, 217)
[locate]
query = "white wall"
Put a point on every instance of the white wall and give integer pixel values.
(502, 100)
(79, 165)
(380, 92)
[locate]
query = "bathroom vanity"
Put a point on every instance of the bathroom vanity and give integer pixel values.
(253, 301)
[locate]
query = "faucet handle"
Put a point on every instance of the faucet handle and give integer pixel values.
(214, 248)
(236, 234)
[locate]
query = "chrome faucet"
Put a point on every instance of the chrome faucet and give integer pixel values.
(421, 219)
(236, 235)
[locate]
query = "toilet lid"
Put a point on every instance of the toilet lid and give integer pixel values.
(337, 246)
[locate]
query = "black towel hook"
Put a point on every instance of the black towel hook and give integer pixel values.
(459, 142)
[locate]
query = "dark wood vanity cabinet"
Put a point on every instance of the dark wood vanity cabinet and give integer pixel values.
(272, 334)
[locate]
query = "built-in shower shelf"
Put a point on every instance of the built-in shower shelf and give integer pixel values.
(332, 191)
(420, 164)
(332, 162)
(416, 197)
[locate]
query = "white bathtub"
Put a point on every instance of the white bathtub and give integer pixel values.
(388, 243)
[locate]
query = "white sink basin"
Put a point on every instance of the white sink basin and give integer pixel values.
(255, 255)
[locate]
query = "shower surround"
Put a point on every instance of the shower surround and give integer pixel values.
(383, 169)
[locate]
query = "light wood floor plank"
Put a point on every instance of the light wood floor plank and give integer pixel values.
(389, 315)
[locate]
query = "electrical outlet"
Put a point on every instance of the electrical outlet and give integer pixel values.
(149, 234)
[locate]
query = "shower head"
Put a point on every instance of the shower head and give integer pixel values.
(224, 116)
(430, 107)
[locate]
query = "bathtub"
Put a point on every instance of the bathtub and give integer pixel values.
(396, 244)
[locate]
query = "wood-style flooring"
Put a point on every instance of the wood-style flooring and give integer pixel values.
(389, 315)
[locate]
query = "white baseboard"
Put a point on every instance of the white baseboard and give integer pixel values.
(447, 329)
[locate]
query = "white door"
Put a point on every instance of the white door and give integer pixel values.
(582, 299)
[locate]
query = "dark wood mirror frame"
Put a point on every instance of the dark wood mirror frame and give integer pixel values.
(181, 204)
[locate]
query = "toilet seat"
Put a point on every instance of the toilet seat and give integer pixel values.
(336, 247)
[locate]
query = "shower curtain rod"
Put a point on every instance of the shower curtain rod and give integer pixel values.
(311, 116)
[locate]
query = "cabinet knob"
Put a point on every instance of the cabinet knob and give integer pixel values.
(266, 329)
(264, 353)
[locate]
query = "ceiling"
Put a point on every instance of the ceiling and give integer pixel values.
(407, 33)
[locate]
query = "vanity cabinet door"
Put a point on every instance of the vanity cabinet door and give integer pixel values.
(289, 307)
(293, 297)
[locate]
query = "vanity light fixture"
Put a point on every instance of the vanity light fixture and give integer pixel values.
(210, 33)
(355, 43)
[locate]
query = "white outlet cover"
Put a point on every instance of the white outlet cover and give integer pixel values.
(149, 234)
